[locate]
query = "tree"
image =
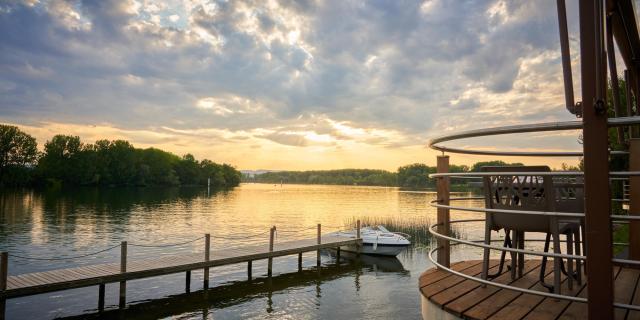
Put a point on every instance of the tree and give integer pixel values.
(18, 151)
(415, 176)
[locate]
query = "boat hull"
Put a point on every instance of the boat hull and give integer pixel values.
(379, 250)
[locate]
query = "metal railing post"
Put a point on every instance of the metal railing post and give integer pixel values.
(442, 184)
(596, 161)
(634, 197)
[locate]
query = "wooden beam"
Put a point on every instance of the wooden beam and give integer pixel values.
(442, 185)
(596, 161)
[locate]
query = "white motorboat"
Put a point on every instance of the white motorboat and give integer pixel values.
(376, 240)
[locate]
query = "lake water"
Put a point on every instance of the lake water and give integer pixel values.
(66, 223)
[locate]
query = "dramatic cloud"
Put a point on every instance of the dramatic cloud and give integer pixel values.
(283, 84)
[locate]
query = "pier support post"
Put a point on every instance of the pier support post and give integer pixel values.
(358, 236)
(123, 269)
(249, 269)
(101, 297)
(442, 184)
(187, 282)
(207, 248)
(270, 263)
(319, 241)
(338, 255)
(4, 274)
(300, 262)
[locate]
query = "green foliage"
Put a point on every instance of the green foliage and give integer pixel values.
(18, 152)
(412, 176)
(496, 163)
(415, 176)
(361, 177)
(68, 161)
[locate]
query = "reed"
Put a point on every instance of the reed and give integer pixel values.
(415, 226)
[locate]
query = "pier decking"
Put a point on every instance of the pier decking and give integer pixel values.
(470, 300)
(100, 274)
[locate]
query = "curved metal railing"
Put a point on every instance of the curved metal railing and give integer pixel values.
(437, 144)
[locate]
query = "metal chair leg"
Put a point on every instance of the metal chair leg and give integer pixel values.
(578, 262)
(514, 256)
(571, 275)
(507, 243)
(556, 262)
(485, 256)
(543, 265)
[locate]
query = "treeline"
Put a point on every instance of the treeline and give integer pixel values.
(413, 176)
(361, 177)
(68, 161)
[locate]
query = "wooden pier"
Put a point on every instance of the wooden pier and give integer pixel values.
(100, 274)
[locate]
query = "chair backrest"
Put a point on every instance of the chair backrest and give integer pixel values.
(519, 192)
(569, 193)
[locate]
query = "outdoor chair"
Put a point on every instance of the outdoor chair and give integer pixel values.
(530, 193)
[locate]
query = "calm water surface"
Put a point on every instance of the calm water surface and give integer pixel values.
(67, 223)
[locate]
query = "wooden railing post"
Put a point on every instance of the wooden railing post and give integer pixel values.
(634, 197)
(123, 269)
(4, 274)
(270, 262)
(187, 282)
(319, 241)
(249, 269)
(442, 185)
(101, 289)
(207, 250)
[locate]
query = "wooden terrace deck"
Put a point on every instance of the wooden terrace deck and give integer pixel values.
(469, 300)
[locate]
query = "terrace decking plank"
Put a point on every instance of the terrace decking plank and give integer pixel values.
(625, 285)
(441, 285)
(437, 275)
(522, 305)
(469, 300)
(458, 290)
(502, 298)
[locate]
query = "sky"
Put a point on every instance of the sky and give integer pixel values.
(288, 84)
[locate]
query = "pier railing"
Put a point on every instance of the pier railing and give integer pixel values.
(129, 269)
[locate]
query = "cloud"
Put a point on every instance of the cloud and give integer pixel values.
(312, 74)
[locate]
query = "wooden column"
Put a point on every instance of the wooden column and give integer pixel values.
(249, 269)
(123, 269)
(634, 197)
(442, 185)
(4, 274)
(101, 288)
(338, 255)
(207, 250)
(300, 262)
(270, 261)
(319, 241)
(596, 161)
